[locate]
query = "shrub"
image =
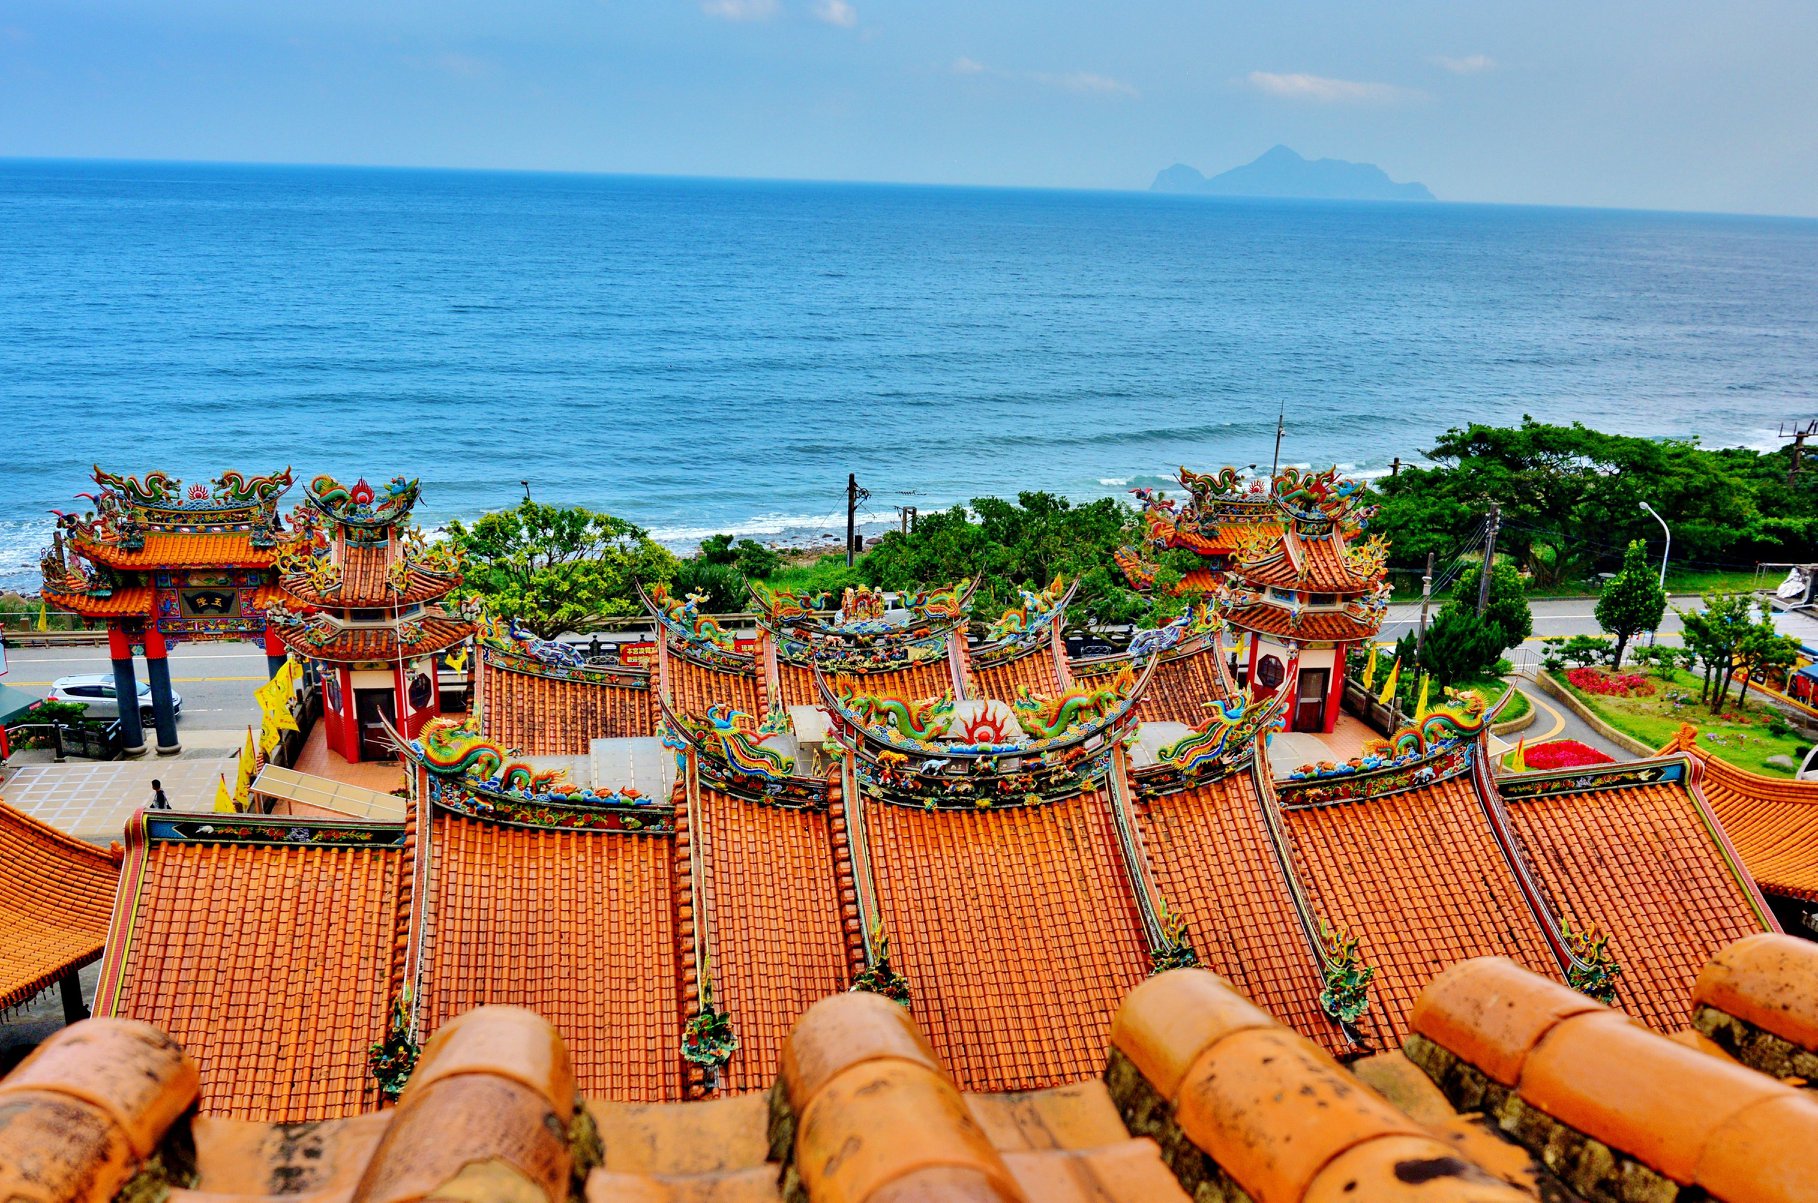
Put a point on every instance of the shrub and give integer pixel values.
(1609, 684)
(1563, 754)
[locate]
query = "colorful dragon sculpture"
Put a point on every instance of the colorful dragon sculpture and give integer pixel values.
(452, 748)
(156, 488)
(1224, 740)
(739, 740)
(1205, 485)
(237, 488)
(786, 606)
(943, 603)
(1034, 612)
(361, 504)
(917, 720)
(1322, 495)
(1445, 726)
(684, 616)
(1049, 718)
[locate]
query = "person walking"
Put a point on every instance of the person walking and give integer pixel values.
(159, 801)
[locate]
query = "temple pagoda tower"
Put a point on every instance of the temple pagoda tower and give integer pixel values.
(362, 591)
(160, 563)
(1306, 591)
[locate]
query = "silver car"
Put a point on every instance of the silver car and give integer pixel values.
(97, 693)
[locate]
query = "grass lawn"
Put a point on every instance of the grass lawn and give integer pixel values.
(1739, 735)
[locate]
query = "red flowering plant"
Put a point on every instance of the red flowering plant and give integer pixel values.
(1609, 684)
(1562, 754)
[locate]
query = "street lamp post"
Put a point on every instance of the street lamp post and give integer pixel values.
(1665, 552)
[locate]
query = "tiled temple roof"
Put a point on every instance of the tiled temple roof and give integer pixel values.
(316, 638)
(1772, 821)
(1313, 626)
(931, 680)
(1646, 865)
(692, 686)
(1017, 931)
(1240, 915)
(772, 910)
(578, 926)
(181, 549)
(55, 896)
(266, 948)
(1309, 563)
(1418, 878)
(1034, 670)
(366, 582)
(547, 715)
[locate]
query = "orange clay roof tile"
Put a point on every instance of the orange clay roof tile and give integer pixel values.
(1418, 878)
(270, 964)
(1240, 915)
(1315, 626)
(1316, 566)
(796, 684)
(1770, 981)
(1181, 687)
(1642, 865)
(928, 680)
(1016, 930)
(170, 549)
(767, 880)
(547, 716)
(1034, 670)
(359, 645)
(1773, 823)
(693, 687)
(577, 926)
(55, 897)
(366, 581)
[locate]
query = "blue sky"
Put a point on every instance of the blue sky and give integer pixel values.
(1669, 104)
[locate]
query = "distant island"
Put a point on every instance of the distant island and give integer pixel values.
(1282, 172)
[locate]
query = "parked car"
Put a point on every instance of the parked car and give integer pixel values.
(97, 693)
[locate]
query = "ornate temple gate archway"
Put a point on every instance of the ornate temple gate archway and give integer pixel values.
(346, 584)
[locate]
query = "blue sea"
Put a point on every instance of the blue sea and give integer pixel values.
(703, 355)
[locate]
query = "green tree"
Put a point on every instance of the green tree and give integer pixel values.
(1462, 646)
(553, 568)
(1633, 601)
(1764, 651)
(1713, 635)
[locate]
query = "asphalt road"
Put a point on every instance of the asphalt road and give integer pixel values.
(1570, 616)
(216, 679)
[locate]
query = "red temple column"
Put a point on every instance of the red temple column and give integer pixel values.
(1339, 663)
(275, 652)
(164, 709)
(126, 690)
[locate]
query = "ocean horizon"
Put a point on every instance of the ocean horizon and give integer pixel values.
(705, 356)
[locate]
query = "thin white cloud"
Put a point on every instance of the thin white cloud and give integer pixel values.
(740, 10)
(1086, 83)
(1469, 64)
(1321, 90)
(836, 12)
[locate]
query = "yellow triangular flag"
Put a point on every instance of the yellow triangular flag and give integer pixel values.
(1420, 708)
(1389, 683)
(1519, 757)
(224, 801)
(43, 616)
(244, 778)
(1369, 677)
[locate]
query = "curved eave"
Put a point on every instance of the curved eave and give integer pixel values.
(911, 632)
(130, 601)
(181, 549)
(367, 645)
(1314, 626)
(869, 739)
(425, 586)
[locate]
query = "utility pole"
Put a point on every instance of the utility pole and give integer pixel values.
(854, 495)
(1426, 596)
(1800, 432)
(1489, 560)
(1280, 421)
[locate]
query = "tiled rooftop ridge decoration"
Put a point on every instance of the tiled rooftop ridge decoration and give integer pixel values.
(1536, 1093)
(471, 775)
(1770, 819)
(1438, 747)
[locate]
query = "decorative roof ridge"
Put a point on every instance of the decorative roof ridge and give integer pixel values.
(1313, 927)
(701, 636)
(1791, 790)
(934, 610)
(1023, 626)
(731, 759)
(504, 659)
(1441, 746)
(1224, 745)
(361, 507)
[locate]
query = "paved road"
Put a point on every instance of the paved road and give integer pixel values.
(216, 679)
(1570, 616)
